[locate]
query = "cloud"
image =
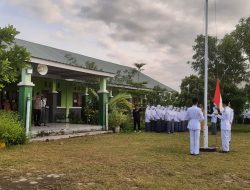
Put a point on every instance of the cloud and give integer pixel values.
(160, 33)
(46, 9)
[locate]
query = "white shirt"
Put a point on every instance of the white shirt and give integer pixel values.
(176, 119)
(171, 114)
(153, 115)
(213, 116)
(194, 117)
(231, 115)
(43, 103)
(225, 119)
(166, 114)
(157, 114)
(147, 115)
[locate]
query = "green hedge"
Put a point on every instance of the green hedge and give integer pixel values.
(12, 131)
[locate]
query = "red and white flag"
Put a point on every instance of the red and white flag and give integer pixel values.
(217, 96)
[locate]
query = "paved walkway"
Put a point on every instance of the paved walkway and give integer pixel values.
(54, 131)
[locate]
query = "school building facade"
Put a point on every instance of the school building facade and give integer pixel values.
(63, 78)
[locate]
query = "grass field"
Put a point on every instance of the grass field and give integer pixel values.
(127, 161)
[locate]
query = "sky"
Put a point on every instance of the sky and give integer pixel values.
(159, 33)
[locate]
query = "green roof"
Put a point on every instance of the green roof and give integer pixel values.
(69, 58)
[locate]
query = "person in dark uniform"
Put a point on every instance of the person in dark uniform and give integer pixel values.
(136, 117)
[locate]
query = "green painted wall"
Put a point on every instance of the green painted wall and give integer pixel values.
(67, 89)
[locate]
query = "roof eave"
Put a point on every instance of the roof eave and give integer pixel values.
(70, 67)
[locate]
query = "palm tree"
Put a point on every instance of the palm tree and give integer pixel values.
(120, 102)
(139, 68)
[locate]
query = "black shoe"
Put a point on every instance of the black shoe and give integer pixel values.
(224, 151)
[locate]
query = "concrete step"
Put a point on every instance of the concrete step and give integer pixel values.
(66, 136)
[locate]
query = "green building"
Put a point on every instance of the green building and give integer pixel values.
(64, 79)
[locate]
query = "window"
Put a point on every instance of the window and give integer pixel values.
(77, 99)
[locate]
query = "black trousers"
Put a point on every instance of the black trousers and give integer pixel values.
(37, 117)
(137, 123)
(147, 126)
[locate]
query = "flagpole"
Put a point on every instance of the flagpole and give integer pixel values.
(206, 77)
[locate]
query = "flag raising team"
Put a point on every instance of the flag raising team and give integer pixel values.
(171, 119)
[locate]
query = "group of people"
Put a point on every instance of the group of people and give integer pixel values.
(195, 117)
(9, 105)
(165, 119)
(171, 119)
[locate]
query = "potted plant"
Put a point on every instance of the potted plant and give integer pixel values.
(116, 118)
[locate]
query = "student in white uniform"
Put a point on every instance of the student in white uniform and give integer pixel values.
(153, 119)
(43, 110)
(162, 119)
(194, 117)
(158, 118)
(171, 117)
(225, 126)
(147, 118)
(186, 121)
(166, 118)
(231, 119)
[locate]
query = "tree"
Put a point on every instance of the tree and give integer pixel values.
(123, 77)
(247, 94)
(12, 57)
(191, 87)
(91, 65)
(242, 35)
(226, 61)
(139, 68)
(232, 66)
(197, 63)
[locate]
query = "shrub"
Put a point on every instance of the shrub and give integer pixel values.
(12, 131)
(116, 118)
(127, 126)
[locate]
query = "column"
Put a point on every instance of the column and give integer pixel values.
(25, 93)
(103, 102)
(110, 93)
(52, 102)
(84, 105)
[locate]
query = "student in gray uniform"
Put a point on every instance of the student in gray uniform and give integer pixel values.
(213, 121)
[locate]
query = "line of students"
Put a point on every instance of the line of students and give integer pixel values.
(165, 119)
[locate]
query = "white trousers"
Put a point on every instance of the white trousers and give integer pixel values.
(225, 138)
(194, 141)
